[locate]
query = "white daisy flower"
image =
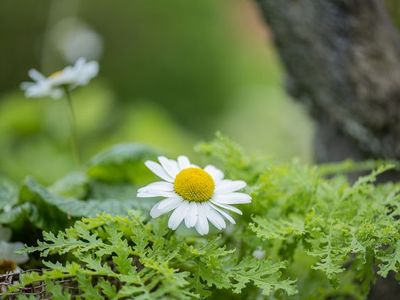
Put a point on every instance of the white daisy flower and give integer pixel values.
(8, 249)
(53, 86)
(41, 86)
(9, 260)
(195, 195)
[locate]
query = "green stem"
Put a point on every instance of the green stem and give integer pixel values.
(74, 132)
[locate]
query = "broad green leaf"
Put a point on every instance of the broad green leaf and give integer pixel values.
(123, 162)
(8, 193)
(74, 185)
(57, 211)
(48, 215)
(16, 216)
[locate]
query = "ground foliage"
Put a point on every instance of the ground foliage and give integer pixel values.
(322, 236)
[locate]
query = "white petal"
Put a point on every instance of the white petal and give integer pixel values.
(145, 195)
(202, 223)
(36, 75)
(165, 206)
(229, 186)
(178, 215)
(169, 202)
(226, 215)
(26, 85)
(191, 216)
(215, 218)
(232, 198)
(158, 170)
(228, 207)
(169, 165)
(157, 186)
(91, 71)
(155, 194)
(183, 162)
(80, 62)
(214, 172)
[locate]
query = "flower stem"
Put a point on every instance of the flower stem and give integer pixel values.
(74, 132)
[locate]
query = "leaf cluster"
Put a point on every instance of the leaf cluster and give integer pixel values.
(108, 183)
(119, 257)
(323, 237)
(321, 224)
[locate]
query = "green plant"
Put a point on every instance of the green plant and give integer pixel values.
(127, 256)
(108, 184)
(321, 238)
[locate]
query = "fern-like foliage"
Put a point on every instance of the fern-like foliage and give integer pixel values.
(323, 237)
(325, 224)
(127, 257)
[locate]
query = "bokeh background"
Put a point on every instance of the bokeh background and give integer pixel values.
(172, 73)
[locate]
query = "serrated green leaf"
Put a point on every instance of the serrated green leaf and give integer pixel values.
(390, 260)
(277, 229)
(56, 291)
(263, 274)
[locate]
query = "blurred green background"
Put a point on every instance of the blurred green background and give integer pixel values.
(172, 73)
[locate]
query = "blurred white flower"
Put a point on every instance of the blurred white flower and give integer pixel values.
(40, 87)
(7, 252)
(9, 260)
(77, 75)
(73, 38)
(195, 195)
(259, 253)
(53, 86)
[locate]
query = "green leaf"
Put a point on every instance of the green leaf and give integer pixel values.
(45, 213)
(123, 162)
(89, 290)
(123, 192)
(16, 216)
(147, 265)
(53, 211)
(56, 291)
(107, 288)
(390, 260)
(8, 193)
(282, 229)
(74, 185)
(264, 274)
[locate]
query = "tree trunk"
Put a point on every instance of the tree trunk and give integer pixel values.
(342, 59)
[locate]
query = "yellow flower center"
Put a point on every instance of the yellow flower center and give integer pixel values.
(56, 74)
(194, 184)
(7, 265)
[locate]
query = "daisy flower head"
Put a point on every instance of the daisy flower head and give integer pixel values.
(9, 260)
(54, 85)
(195, 195)
(40, 87)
